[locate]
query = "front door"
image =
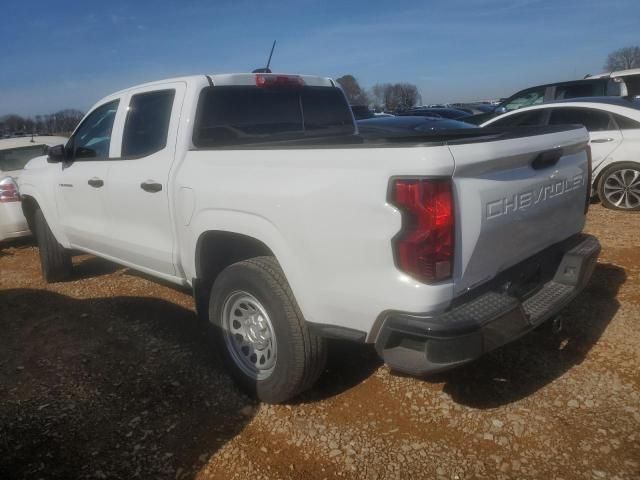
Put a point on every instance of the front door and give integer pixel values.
(80, 192)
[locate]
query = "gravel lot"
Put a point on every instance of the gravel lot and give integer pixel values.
(110, 376)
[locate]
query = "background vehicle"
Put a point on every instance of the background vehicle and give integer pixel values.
(614, 128)
(630, 78)
(361, 112)
(407, 125)
(590, 87)
(451, 113)
(256, 191)
(14, 155)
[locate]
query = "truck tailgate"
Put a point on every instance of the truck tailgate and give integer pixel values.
(516, 193)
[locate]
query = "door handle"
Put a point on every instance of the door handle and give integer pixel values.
(602, 140)
(151, 186)
(96, 182)
(547, 159)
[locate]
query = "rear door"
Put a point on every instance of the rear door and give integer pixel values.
(515, 196)
(138, 183)
(603, 131)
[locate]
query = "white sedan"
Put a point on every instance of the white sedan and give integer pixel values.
(614, 127)
(14, 155)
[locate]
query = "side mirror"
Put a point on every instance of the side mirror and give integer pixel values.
(56, 154)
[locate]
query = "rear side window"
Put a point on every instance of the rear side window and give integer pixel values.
(147, 125)
(577, 90)
(17, 158)
(533, 117)
(239, 115)
(593, 120)
(625, 123)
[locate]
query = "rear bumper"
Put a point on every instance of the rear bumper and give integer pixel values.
(490, 317)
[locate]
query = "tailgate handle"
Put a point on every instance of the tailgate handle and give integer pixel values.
(547, 159)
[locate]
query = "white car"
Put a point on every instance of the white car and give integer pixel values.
(256, 191)
(14, 155)
(614, 128)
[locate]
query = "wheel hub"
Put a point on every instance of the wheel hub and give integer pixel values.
(622, 188)
(249, 335)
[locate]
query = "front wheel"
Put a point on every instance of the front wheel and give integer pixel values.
(619, 186)
(261, 333)
(55, 260)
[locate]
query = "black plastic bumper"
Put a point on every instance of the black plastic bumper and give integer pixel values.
(491, 315)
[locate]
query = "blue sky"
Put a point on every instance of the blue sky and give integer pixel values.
(69, 54)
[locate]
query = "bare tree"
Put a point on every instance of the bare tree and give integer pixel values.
(395, 96)
(355, 94)
(62, 122)
(377, 94)
(623, 59)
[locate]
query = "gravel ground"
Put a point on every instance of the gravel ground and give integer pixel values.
(110, 376)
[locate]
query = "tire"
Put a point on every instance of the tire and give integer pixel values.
(619, 186)
(260, 332)
(55, 260)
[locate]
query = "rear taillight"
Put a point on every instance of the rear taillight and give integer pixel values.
(273, 80)
(589, 173)
(424, 246)
(9, 190)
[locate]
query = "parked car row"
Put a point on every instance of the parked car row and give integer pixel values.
(613, 124)
(15, 153)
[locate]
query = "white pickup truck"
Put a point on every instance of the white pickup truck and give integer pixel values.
(256, 191)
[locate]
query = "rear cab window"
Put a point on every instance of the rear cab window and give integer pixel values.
(242, 115)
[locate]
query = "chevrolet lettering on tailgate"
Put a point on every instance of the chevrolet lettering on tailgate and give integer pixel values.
(530, 198)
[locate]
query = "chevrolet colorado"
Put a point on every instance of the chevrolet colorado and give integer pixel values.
(256, 191)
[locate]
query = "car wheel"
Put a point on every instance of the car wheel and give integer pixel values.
(55, 260)
(261, 333)
(619, 186)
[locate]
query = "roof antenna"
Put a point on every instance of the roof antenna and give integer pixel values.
(266, 69)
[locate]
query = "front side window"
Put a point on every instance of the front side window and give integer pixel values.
(16, 158)
(534, 117)
(147, 124)
(238, 115)
(535, 96)
(593, 120)
(92, 139)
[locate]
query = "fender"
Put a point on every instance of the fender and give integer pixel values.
(49, 211)
(251, 225)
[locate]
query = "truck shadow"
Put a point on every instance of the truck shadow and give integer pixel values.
(117, 387)
(19, 243)
(519, 369)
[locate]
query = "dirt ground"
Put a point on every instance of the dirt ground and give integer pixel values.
(110, 376)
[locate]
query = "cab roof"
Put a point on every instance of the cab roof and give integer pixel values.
(233, 79)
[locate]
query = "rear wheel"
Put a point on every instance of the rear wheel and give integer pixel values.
(260, 332)
(55, 260)
(619, 186)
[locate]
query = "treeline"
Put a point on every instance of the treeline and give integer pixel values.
(388, 97)
(62, 122)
